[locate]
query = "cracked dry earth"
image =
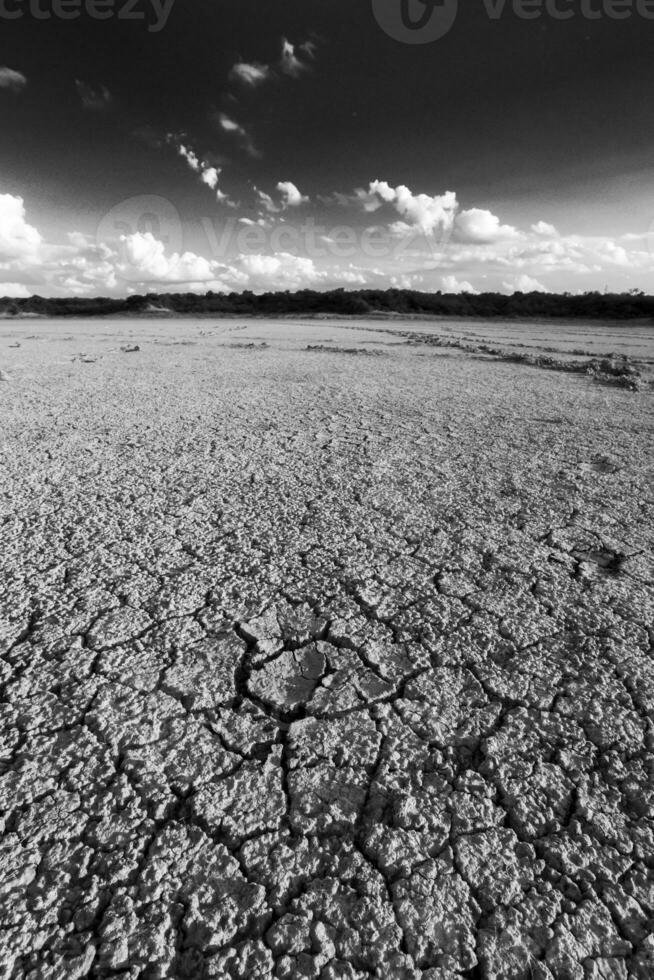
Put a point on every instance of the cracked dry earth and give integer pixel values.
(321, 665)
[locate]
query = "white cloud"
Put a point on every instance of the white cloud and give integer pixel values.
(407, 281)
(84, 266)
(543, 228)
(229, 125)
(250, 73)
(282, 270)
(190, 157)
(615, 254)
(290, 63)
(14, 290)
(208, 175)
(18, 240)
(138, 261)
(421, 211)
(143, 260)
(452, 285)
(146, 259)
(291, 196)
(258, 223)
(483, 227)
(352, 276)
(94, 97)
(12, 80)
(267, 202)
(524, 284)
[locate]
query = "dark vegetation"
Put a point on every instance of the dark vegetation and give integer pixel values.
(591, 305)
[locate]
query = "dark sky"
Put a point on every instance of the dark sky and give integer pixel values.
(533, 120)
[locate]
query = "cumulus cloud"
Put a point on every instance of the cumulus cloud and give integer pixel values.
(210, 176)
(291, 196)
(138, 260)
(142, 262)
(12, 80)
(407, 280)
(423, 212)
(251, 74)
(283, 270)
(96, 98)
(352, 275)
(18, 239)
(477, 225)
(543, 228)
(14, 290)
(452, 285)
(84, 267)
(145, 258)
(615, 254)
(524, 284)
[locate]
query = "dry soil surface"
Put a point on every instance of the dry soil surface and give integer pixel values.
(325, 652)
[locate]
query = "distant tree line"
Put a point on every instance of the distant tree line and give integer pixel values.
(590, 305)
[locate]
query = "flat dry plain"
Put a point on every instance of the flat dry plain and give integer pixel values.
(327, 651)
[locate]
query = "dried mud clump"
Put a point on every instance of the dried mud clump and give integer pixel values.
(616, 370)
(333, 349)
